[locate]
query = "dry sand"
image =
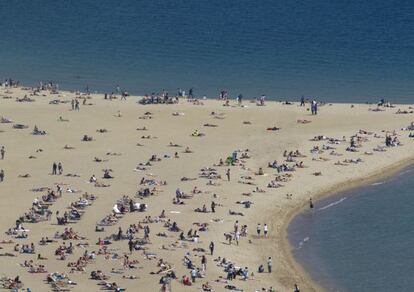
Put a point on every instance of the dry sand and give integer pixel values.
(271, 207)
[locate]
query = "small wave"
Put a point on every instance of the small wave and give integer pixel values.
(406, 171)
(301, 243)
(332, 204)
(377, 183)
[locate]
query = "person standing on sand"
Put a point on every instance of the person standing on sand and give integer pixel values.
(54, 168)
(265, 230)
(73, 104)
(302, 101)
(60, 168)
(236, 226)
(59, 190)
(237, 237)
(2, 152)
(296, 288)
(193, 274)
(204, 263)
(211, 248)
(269, 264)
(1, 175)
(228, 174)
(258, 229)
(310, 203)
(213, 207)
(146, 232)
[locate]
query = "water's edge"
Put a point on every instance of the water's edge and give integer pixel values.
(295, 266)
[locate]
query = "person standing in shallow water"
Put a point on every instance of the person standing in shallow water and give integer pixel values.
(310, 203)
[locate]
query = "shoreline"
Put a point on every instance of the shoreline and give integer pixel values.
(379, 174)
(293, 99)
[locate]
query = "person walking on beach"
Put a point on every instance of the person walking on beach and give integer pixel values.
(211, 248)
(193, 274)
(130, 246)
(60, 168)
(146, 232)
(228, 174)
(2, 152)
(77, 105)
(314, 107)
(269, 264)
(239, 99)
(265, 230)
(59, 190)
(236, 226)
(296, 288)
(73, 104)
(237, 237)
(54, 168)
(302, 101)
(258, 229)
(310, 203)
(1, 175)
(204, 263)
(213, 207)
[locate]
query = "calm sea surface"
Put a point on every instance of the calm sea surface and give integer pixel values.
(346, 51)
(360, 240)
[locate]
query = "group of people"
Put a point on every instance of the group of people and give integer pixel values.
(75, 104)
(197, 268)
(57, 168)
(2, 153)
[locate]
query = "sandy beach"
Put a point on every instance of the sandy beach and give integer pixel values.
(274, 159)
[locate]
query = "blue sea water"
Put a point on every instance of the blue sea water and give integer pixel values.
(337, 50)
(362, 239)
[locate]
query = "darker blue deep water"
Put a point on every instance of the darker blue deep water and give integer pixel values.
(360, 240)
(346, 51)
